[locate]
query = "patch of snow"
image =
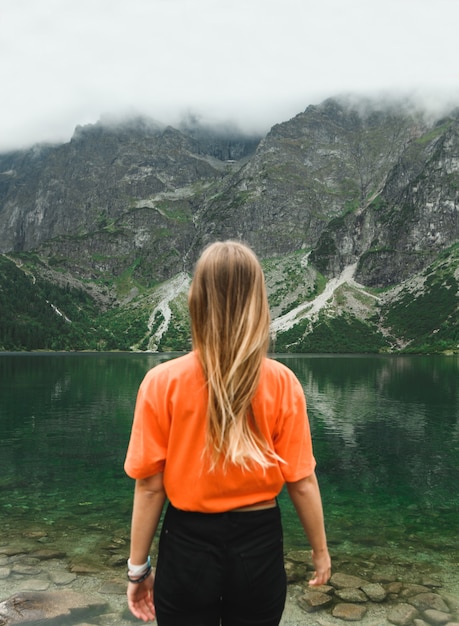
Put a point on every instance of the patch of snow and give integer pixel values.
(167, 292)
(310, 310)
(56, 310)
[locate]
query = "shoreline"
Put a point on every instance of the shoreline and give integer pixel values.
(84, 595)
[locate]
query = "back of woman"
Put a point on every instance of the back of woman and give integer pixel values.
(219, 432)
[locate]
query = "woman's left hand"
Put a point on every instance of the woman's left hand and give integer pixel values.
(140, 599)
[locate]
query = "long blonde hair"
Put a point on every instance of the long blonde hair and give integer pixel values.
(230, 329)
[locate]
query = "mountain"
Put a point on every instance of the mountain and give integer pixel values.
(351, 207)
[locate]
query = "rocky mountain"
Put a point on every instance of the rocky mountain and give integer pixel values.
(352, 206)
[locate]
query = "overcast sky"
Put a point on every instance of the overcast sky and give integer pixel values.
(256, 62)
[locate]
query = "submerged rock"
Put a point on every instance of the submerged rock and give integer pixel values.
(314, 601)
(349, 612)
(402, 614)
(342, 581)
(424, 601)
(437, 618)
(49, 607)
(374, 592)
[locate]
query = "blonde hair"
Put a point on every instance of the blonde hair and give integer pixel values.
(230, 329)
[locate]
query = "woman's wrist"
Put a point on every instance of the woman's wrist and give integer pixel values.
(138, 573)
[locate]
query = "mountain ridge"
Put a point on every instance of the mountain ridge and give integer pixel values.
(121, 210)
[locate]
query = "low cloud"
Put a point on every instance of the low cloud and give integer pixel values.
(252, 63)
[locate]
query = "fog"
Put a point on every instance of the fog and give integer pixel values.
(252, 63)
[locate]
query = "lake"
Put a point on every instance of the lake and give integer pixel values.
(385, 432)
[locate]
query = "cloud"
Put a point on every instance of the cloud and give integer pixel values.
(256, 62)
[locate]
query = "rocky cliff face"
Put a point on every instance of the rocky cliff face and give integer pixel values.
(111, 196)
(345, 183)
(328, 161)
(411, 219)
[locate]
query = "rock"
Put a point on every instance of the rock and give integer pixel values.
(299, 556)
(12, 550)
(117, 561)
(79, 568)
(295, 572)
(62, 578)
(350, 594)
(383, 579)
(4, 572)
(314, 600)
(26, 608)
(429, 600)
(436, 618)
(35, 534)
(420, 622)
(25, 559)
(413, 590)
(26, 570)
(374, 592)
(113, 587)
(328, 589)
(451, 601)
(430, 582)
(349, 612)
(48, 554)
(35, 584)
(341, 581)
(402, 614)
(394, 587)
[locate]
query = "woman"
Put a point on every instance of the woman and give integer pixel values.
(219, 431)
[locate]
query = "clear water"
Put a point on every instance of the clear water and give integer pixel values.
(385, 431)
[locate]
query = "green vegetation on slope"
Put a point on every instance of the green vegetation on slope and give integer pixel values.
(428, 320)
(331, 335)
(37, 315)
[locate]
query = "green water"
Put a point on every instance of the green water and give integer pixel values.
(386, 439)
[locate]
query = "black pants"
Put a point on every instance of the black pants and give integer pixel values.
(220, 568)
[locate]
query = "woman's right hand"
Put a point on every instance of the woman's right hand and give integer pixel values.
(140, 599)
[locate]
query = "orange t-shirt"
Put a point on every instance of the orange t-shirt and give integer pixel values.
(169, 431)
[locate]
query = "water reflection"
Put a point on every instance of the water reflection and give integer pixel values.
(386, 437)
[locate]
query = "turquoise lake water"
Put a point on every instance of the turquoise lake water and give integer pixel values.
(385, 432)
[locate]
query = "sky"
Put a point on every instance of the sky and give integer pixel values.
(254, 63)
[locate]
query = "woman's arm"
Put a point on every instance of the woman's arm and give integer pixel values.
(149, 497)
(305, 495)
